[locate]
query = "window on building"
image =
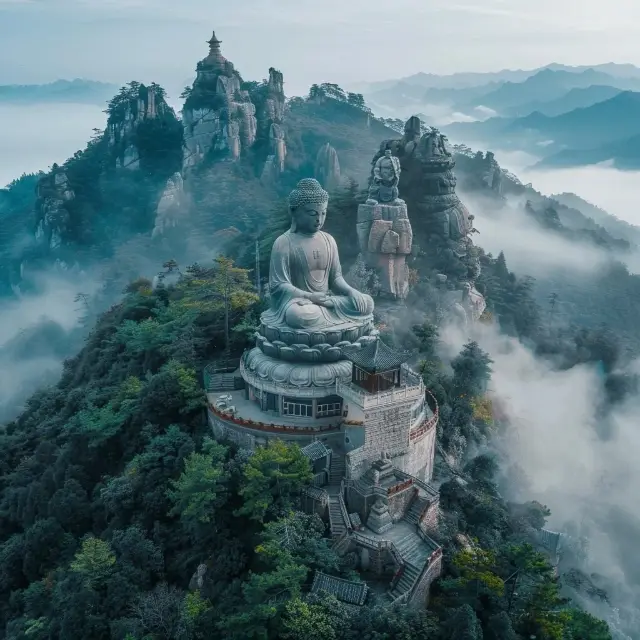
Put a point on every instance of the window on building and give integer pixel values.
(329, 406)
(297, 407)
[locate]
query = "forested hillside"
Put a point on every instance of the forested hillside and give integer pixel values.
(115, 502)
(121, 519)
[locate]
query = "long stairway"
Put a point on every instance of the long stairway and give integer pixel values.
(337, 469)
(336, 520)
(415, 554)
(414, 513)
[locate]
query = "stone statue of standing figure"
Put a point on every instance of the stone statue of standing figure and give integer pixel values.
(385, 176)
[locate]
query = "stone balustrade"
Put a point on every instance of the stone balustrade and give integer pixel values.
(272, 428)
(412, 388)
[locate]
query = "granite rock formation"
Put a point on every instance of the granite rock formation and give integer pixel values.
(220, 115)
(384, 230)
(135, 105)
(271, 125)
(171, 205)
(492, 173)
(327, 169)
(442, 223)
(54, 194)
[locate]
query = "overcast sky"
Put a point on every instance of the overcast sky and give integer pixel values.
(309, 40)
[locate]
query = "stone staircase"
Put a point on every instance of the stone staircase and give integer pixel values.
(416, 509)
(337, 469)
(337, 524)
(415, 554)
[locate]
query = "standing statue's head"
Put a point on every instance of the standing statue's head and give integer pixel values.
(308, 206)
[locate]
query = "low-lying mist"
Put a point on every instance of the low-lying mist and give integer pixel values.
(589, 481)
(38, 330)
(615, 191)
(529, 248)
(33, 137)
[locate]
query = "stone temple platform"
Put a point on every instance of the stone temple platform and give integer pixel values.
(250, 426)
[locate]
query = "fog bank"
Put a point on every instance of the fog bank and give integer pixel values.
(33, 137)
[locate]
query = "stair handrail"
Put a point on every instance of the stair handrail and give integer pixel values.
(420, 483)
(345, 514)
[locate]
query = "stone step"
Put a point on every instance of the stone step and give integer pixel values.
(406, 582)
(336, 521)
(409, 545)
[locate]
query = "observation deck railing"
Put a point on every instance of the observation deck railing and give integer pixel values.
(411, 387)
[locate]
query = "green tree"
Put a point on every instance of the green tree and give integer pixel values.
(462, 624)
(201, 488)
(301, 537)
(478, 566)
(584, 626)
(232, 286)
(304, 621)
(264, 596)
(94, 561)
(271, 477)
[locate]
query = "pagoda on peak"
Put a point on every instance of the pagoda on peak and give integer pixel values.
(215, 59)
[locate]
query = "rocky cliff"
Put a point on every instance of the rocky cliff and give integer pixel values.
(224, 117)
(327, 168)
(113, 186)
(441, 223)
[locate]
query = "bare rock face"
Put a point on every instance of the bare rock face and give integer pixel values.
(443, 222)
(221, 118)
(327, 169)
(270, 121)
(54, 195)
(135, 105)
(218, 114)
(171, 205)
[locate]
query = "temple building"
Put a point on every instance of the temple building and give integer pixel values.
(320, 375)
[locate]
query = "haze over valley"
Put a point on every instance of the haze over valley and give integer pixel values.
(137, 226)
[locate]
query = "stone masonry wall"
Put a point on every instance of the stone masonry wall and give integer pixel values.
(399, 503)
(418, 461)
(420, 595)
(429, 521)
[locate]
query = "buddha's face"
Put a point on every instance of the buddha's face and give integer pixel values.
(387, 172)
(310, 218)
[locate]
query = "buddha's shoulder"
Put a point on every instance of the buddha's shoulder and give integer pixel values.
(282, 240)
(328, 237)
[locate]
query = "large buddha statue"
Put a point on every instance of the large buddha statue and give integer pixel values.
(306, 285)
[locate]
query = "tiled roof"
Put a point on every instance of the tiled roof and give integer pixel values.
(376, 356)
(315, 451)
(551, 540)
(344, 590)
(316, 493)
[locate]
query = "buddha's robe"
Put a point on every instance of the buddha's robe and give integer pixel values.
(309, 264)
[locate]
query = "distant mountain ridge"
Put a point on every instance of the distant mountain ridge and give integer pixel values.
(609, 123)
(78, 91)
(474, 79)
(547, 85)
(551, 90)
(576, 98)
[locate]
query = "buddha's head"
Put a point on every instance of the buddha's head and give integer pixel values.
(308, 206)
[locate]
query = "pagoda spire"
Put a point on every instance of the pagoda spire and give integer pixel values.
(214, 44)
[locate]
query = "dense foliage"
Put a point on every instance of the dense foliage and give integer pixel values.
(120, 518)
